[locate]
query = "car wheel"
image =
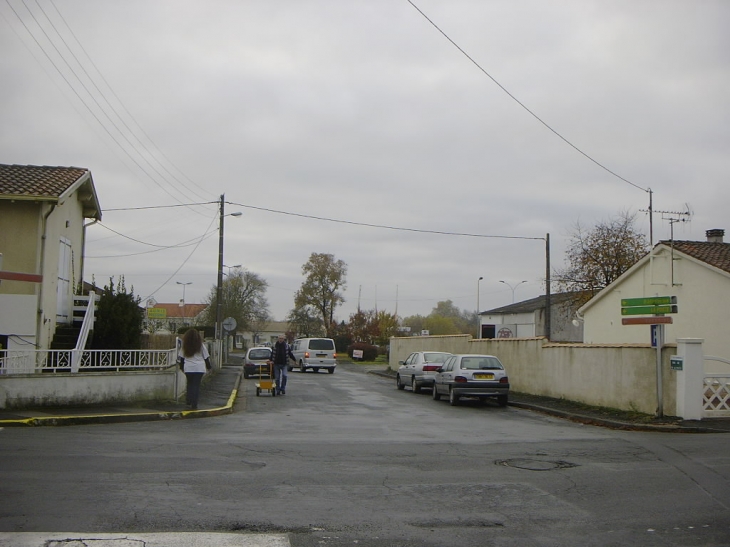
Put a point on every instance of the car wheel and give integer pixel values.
(453, 398)
(258, 391)
(331, 370)
(289, 368)
(301, 367)
(435, 394)
(246, 375)
(316, 369)
(502, 400)
(415, 388)
(400, 385)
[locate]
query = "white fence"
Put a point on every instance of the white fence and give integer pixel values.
(51, 361)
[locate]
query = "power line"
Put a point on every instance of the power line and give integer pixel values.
(382, 226)
(555, 132)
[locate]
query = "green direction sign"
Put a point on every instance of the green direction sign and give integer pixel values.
(648, 310)
(650, 305)
(649, 301)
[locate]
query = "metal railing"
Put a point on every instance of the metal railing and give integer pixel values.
(51, 361)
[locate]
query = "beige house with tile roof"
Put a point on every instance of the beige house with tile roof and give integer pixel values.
(43, 220)
(697, 273)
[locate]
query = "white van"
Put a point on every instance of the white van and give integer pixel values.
(314, 353)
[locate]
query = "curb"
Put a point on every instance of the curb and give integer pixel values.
(130, 416)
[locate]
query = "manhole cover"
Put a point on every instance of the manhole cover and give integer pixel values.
(536, 465)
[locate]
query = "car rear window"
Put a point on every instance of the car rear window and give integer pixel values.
(321, 344)
(436, 357)
(262, 353)
(481, 363)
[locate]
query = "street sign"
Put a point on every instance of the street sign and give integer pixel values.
(648, 301)
(647, 310)
(653, 320)
(677, 362)
(229, 323)
(650, 305)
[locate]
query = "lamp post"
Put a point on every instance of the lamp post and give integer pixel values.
(219, 289)
(513, 288)
(183, 298)
(479, 322)
(231, 267)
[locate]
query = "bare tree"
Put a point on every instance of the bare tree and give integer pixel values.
(597, 257)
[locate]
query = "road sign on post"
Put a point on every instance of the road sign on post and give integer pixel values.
(652, 305)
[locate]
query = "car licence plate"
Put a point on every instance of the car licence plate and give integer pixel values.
(488, 376)
(321, 355)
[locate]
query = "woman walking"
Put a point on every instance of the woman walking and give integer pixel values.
(196, 362)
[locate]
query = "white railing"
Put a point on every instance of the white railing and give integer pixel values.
(716, 392)
(100, 360)
(86, 327)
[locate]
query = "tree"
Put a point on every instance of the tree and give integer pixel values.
(244, 299)
(596, 258)
(320, 292)
(119, 318)
(387, 327)
(305, 323)
(363, 326)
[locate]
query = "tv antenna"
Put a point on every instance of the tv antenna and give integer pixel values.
(673, 217)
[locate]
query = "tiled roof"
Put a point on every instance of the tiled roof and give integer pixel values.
(37, 181)
(176, 310)
(713, 253)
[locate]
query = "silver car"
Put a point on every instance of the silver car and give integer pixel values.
(480, 376)
(419, 369)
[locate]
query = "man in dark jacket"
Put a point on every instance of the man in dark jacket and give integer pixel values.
(281, 352)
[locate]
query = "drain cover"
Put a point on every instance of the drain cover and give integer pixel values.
(536, 465)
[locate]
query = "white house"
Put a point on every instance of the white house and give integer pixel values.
(697, 273)
(526, 319)
(42, 235)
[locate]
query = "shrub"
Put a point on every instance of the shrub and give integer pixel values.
(369, 352)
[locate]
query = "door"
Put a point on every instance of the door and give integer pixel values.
(63, 292)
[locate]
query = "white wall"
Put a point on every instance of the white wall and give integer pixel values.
(89, 388)
(614, 376)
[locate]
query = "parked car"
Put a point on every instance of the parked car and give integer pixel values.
(256, 362)
(479, 376)
(314, 353)
(419, 369)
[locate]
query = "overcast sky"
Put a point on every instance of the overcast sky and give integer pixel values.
(363, 111)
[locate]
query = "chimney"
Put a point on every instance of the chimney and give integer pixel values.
(715, 236)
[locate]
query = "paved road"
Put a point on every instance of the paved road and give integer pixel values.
(347, 459)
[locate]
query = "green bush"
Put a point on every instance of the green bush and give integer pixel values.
(369, 351)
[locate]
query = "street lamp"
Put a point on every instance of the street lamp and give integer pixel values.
(232, 267)
(183, 298)
(513, 288)
(479, 323)
(219, 290)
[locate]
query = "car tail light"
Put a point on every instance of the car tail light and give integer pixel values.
(504, 380)
(461, 380)
(431, 368)
(306, 355)
(334, 356)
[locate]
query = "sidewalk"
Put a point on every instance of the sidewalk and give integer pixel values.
(217, 395)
